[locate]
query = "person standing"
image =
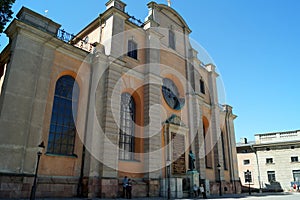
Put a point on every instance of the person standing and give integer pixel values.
(195, 189)
(129, 189)
(202, 190)
(125, 182)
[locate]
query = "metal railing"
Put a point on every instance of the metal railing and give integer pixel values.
(77, 42)
(135, 21)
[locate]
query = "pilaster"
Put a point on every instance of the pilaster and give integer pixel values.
(152, 110)
(200, 142)
(111, 115)
(232, 143)
(215, 121)
(113, 31)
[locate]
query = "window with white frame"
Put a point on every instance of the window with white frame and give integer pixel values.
(246, 162)
(269, 160)
(271, 176)
(296, 175)
(294, 159)
(248, 177)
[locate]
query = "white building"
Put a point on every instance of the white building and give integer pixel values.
(272, 160)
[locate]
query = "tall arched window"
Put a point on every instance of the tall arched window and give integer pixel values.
(127, 123)
(207, 144)
(223, 140)
(64, 111)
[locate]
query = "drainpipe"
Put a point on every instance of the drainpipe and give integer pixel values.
(80, 182)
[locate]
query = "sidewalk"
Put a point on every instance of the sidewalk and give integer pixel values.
(224, 196)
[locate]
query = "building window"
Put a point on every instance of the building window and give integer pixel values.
(248, 177)
(246, 162)
(64, 111)
(296, 175)
(132, 49)
(271, 176)
(127, 123)
(294, 159)
(223, 150)
(171, 39)
(208, 152)
(269, 160)
(202, 87)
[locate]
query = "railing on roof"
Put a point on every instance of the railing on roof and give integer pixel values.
(135, 21)
(70, 38)
(64, 36)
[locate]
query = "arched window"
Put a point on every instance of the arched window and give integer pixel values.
(207, 144)
(223, 140)
(127, 123)
(64, 111)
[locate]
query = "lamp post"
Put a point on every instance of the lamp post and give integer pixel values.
(219, 173)
(169, 182)
(39, 153)
(248, 179)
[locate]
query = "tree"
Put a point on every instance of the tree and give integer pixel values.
(5, 12)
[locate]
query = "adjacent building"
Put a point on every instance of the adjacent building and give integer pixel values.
(271, 162)
(123, 97)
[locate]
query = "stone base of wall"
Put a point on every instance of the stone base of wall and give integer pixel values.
(227, 187)
(15, 186)
(20, 185)
(109, 188)
(139, 189)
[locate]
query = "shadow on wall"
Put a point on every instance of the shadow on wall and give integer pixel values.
(272, 187)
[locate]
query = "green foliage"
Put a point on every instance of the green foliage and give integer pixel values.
(5, 12)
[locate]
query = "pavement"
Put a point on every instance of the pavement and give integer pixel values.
(244, 196)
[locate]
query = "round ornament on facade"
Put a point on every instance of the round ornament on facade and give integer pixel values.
(171, 95)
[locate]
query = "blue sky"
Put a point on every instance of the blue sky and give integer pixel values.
(254, 43)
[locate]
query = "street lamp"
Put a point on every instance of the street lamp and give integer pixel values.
(219, 172)
(248, 179)
(168, 177)
(39, 153)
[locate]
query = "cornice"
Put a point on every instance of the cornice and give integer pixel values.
(19, 27)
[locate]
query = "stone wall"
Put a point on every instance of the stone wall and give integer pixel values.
(227, 187)
(19, 186)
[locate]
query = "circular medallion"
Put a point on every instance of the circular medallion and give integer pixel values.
(171, 94)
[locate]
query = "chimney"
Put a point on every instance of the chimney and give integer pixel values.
(244, 141)
(117, 4)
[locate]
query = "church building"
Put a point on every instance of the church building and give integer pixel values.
(123, 97)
